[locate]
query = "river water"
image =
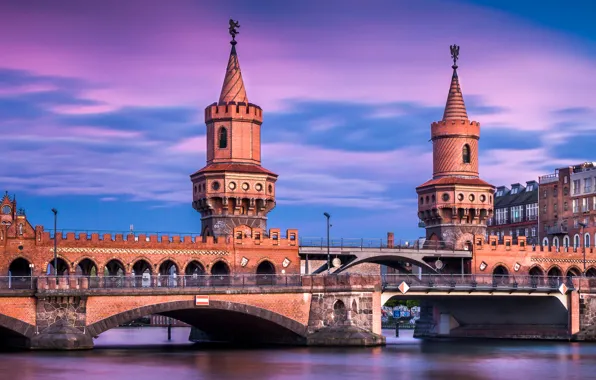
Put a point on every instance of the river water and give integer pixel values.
(146, 354)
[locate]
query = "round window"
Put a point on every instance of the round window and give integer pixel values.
(245, 186)
(215, 185)
(259, 187)
(460, 197)
(482, 198)
(270, 188)
(471, 197)
(445, 197)
(232, 185)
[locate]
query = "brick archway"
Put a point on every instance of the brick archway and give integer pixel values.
(290, 325)
(17, 326)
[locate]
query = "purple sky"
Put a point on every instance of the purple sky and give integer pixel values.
(101, 102)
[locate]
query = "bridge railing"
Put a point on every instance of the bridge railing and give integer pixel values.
(171, 281)
(369, 243)
(476, 281)
(18, 282)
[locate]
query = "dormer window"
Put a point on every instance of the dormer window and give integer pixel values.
(222, 138)
(514, 190)
(499, 193)
(466, 154)
(530, 188)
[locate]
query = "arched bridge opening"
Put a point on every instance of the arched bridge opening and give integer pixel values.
(221, 321)
(15, 334)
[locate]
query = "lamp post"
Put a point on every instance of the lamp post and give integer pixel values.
(55, 244)
(582, 242)
(328, 247)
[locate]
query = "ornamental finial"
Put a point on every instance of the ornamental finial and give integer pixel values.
(454, 55)
(233, 31)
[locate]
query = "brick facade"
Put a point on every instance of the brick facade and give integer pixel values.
(567, 207)
(242, 252)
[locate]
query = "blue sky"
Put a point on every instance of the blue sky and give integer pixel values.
(101, 103)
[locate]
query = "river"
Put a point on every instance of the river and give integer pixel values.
(146, 354)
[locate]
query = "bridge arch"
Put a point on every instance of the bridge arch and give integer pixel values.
(573, 271)
(14, 332)
(239, 321)
(20, 266)
(114, 267)
(389, 260)
(194, 267)
(555, 271)
(62, 264)
(168, 266)
(141, 265)
(86, 266)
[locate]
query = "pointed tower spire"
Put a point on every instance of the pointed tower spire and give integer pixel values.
(455, 109)
(233, 87)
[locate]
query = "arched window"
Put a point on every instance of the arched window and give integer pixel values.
(466, 154)
(587, 240)
(576, 241)
(222, 138)
(566, 241)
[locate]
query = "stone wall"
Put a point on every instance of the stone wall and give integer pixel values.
(587, 318)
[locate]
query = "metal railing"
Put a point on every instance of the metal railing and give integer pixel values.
(18, 282)
(376, 243)
(476, 282)
(171, 281)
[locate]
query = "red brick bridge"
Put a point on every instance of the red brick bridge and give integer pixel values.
(66, 312)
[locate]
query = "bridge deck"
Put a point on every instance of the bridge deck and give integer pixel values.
(376, 251)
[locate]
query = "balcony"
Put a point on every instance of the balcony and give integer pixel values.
(557, 230)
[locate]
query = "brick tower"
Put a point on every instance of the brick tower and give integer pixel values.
(455, 204)
(233, 188)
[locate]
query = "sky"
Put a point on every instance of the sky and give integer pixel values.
(101, 103)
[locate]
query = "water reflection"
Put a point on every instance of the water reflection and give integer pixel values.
(404, 358)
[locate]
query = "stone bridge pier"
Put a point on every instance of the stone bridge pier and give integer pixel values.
(315, 311)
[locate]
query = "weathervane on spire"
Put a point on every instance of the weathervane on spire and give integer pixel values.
(233, 31)
(454, 54)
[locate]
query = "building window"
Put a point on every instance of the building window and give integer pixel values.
(514, 190)
(575, 223)
(594, 203)
(532, 211)
(565, 180)
(555, 207)
(517, 214)
(545, 194)
(576, 205)
(501, 216)
(565, 206)
(222, 138)
(533, 231)
(588, 185)
(544, 209)
(530, 188)
(565, 191)
(585, 204)
(555, 191)
(466, 154)
(576, 186)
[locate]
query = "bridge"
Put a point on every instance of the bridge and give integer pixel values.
(66, 312)
(346, 253)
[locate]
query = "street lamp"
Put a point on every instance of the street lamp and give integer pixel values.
(328, 247)
(55, 244)
(582, 242)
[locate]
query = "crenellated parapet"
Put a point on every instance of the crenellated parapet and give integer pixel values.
(234, 111)
(241, 235)
(455, 128)
(516, 257)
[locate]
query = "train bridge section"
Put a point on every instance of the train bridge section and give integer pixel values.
(341, 255)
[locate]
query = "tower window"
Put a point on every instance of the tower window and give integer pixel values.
(466, 154)
(223, 138)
